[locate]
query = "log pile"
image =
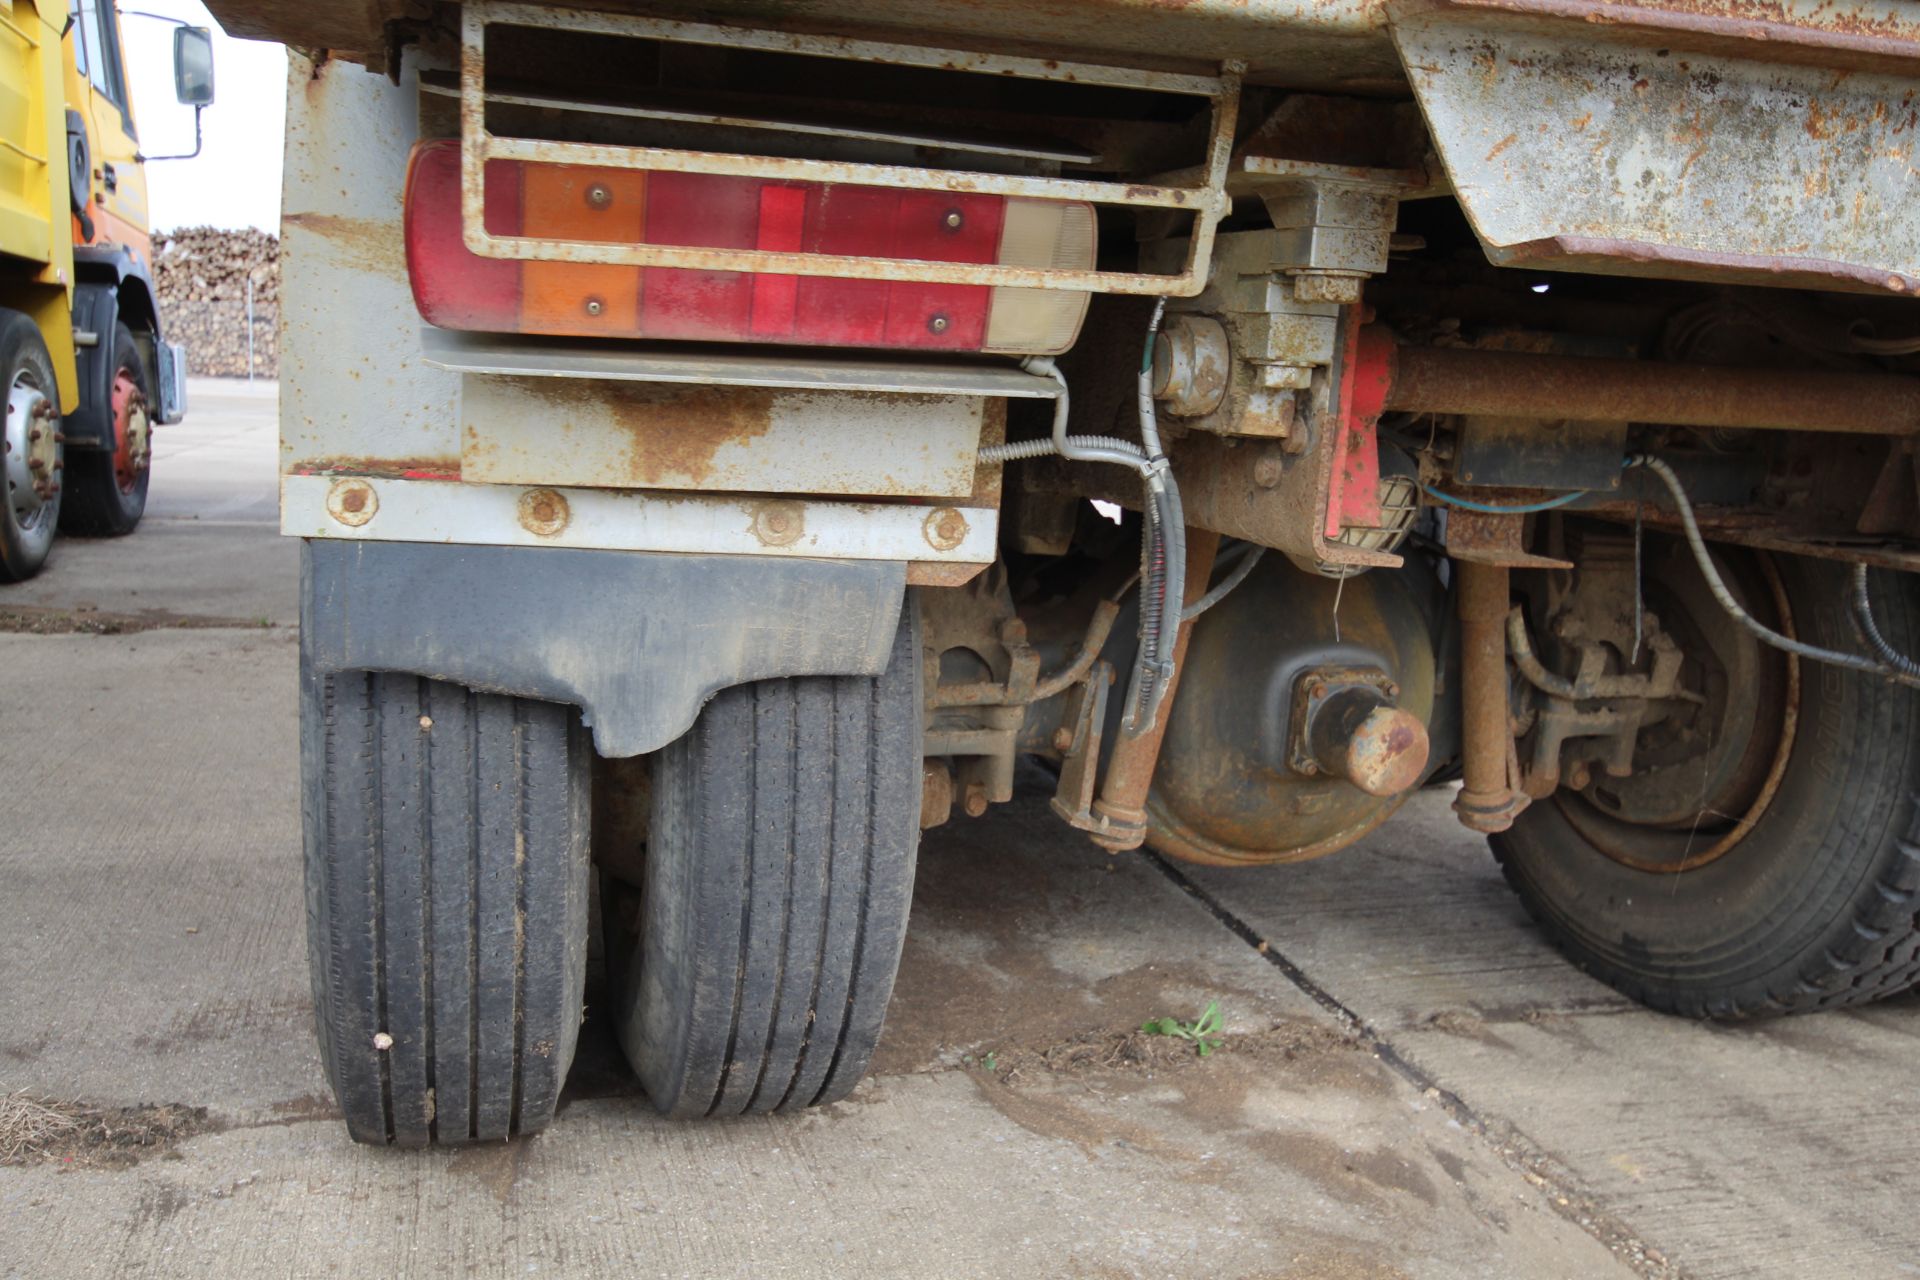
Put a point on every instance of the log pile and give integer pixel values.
(202, 275)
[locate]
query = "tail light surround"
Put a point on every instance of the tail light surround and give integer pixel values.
(456, 288)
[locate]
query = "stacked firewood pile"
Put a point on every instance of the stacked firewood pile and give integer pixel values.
(202, 274)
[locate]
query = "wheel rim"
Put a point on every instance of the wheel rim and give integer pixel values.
(32, 449)
(1721, 818)
(133, 451)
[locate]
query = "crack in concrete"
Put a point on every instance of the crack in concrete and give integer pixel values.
(1564, 1191)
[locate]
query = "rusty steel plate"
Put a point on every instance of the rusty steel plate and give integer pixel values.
(1718, 142)
(636, 435)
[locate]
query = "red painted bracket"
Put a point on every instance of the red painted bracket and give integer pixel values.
(1366, 375)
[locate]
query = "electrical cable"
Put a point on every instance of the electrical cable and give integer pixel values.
(1220, 589)
(1887, 670)
(1863, 614)
(1488, 508)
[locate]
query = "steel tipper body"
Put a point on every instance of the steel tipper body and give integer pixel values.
(692, 423)
(87, 370)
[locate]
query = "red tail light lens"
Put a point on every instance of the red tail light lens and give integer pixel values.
(457, 289)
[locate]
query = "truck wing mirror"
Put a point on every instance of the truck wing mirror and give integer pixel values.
(193, 66)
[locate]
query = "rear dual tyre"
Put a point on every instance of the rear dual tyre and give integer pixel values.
(752, 969)
(446, 835)
(447, 860)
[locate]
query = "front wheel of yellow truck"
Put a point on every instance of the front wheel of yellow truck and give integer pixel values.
(31, 451)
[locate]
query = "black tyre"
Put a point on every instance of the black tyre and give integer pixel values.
(778, 873)
(31, 455)
(1798, 890)
(107, 488)
(446, 852)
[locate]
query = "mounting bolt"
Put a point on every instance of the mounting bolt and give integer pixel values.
(1267, 471)
(938, 323)
(945, 529)
(544, 512)
(598, 197)
(352, 502)
(779, 524)
(1063, 739)
(976, 803)
(953, 220)
(594, 306)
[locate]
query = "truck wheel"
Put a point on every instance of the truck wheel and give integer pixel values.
(1789, 882)
(31, 454)
(446, 852)
(107, 492)
(778, 873)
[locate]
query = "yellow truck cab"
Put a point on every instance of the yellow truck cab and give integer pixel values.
(85, 366)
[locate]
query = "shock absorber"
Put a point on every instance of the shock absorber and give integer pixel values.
(1487, 801)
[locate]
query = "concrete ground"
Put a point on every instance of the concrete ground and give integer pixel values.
(1412, 1084)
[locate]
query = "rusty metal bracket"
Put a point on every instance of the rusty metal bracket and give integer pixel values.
(1493, 539)
(1086, 715)
(1205, 196)
(1334, 221)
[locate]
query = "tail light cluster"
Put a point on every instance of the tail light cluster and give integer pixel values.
(457, 289)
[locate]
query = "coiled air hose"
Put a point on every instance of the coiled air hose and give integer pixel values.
(1163, 554)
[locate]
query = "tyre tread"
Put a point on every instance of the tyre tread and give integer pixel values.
(447, 904)
(786, 822)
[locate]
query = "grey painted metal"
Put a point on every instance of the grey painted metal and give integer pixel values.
(636, 435)
(1206, 199)
(353, 394)
(758, 367)
(505, 515)
(1580, 147)
(637, 642)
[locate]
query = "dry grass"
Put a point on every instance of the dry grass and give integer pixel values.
(28, 1127)
(73, 1134)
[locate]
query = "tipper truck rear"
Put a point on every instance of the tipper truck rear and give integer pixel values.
(726, 440)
